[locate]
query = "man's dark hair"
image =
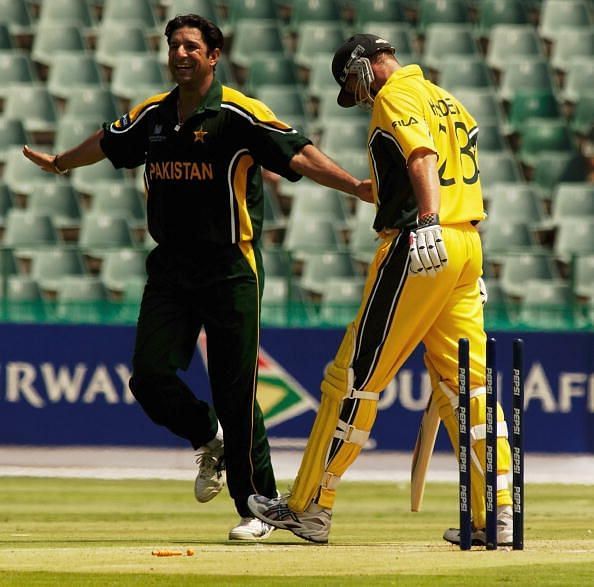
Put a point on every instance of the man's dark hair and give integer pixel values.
(211, 33)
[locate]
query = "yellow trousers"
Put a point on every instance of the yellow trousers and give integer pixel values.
(397, 312)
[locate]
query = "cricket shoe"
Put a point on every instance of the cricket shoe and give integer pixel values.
(505, 530)
(313, 524)
(251, 529)
(211, 471)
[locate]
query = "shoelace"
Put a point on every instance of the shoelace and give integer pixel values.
(209, 465)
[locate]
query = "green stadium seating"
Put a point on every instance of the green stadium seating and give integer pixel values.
(556, 15)
(306, 234)
(33, 105)
(366, 11)
(87, 179)
(515, 203)
(82, 298)
(498, 167)
(527, 73)
(24, 301)
(512, 41)
(363, 240)
(72, 71)
(506, 237)
(546, 305)
(572, 200)
(491, 138)
(6, 203)
(204, 8)
(285, 101)
(120, 265)
(57, 200)
(133, 12)
(5, 38)
(583, 277)
(575, 236)
(67, 12)
(96, 105)
(317, 38)
(16, 14)
(481, 103)
(500, 12)
(572, 43)
(582, 120)
(340, 300)
(337, 136)
(247, 10)
(318, 268)
(464, 72)
(71, 132)
(117, 40)
(22, 176)
(306, 11)
(441, 11)
(15, 68)
(135, 73)
(579, 79)
(517, 268)
(122, 200)
(51, 265)
(12, 134)
(54, 38)
(277, 263)
(320, 77)
(8, 265)
(101, 232)
(25, 229)
(448, 40)
(542, 134)
(529, 104)
(252, 38)
(321, 203)
(400, 34)
(554, 167)
(271, 69)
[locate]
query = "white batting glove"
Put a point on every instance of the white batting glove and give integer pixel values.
(427, 253)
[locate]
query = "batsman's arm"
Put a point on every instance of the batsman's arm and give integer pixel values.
(87, 153)
(312, 163)
(422, 171)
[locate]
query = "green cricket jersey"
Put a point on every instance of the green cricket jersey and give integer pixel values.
(203, 179)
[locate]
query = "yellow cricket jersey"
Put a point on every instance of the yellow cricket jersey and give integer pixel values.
(409, 113)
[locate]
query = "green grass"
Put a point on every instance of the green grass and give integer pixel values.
(97, 532)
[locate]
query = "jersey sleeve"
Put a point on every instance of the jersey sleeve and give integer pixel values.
(273, 142)
(402, 116)
(124, 141)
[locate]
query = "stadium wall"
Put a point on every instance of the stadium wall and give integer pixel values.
(68, 385)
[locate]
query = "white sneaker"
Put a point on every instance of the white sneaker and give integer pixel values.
(505, 530)
(313, 524)
(250, 529)
(211, 472)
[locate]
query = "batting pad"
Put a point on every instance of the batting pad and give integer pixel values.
(447, 400)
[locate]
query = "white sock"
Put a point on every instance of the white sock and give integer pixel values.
(217, 441)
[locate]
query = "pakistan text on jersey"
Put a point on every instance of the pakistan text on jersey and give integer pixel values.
(180, 170)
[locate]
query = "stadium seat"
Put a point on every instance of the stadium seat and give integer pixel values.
(441, 11)
(5, 38)
(307, 11)
(579, 78)
(481, 103)
(306, 234)
(353, 160)
(285, 101)
(374, 11)
(51, 265)
(54, 38)
(6, 203)
(527, 73)
(572, 43)
(329, 110)
(529, 104)
(495, 310)
(542, 134)
(500, 12)
(575, 236)
(497, 167)
(101, 232)
(34, 106)
(464, 72)
(552, 168)
(363, 240)
(16, 14)
(317, 38)
(318, 268)
(15, 68)
(274, 221)
(321, 203)
(22, 176)
(247, 10)
(96, 105)
(87, 179)
(132, 12)
(511, 41)
(517, 268)
(117, 40)
(556, 15)
(572, 200)
(70, 71)
(337, 136)
(272, 69)
(583, 276)
(24, 302)
(252, 38)
(66, 12)
(547, 305)
(57, 200)
(120, 199)
(82, 298)
(491, 138)
(506, 237)
(12, 134)
(448, 40)
(320, 77)
(205, 8)
(340, 300)
(277, 262)
(25, 229)
(400, 34)
(8, 264)
(582, 120)
(71, 132)
(136, 73)
(120, 265)
(510, 202)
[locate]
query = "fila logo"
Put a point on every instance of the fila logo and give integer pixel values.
(411, 120)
